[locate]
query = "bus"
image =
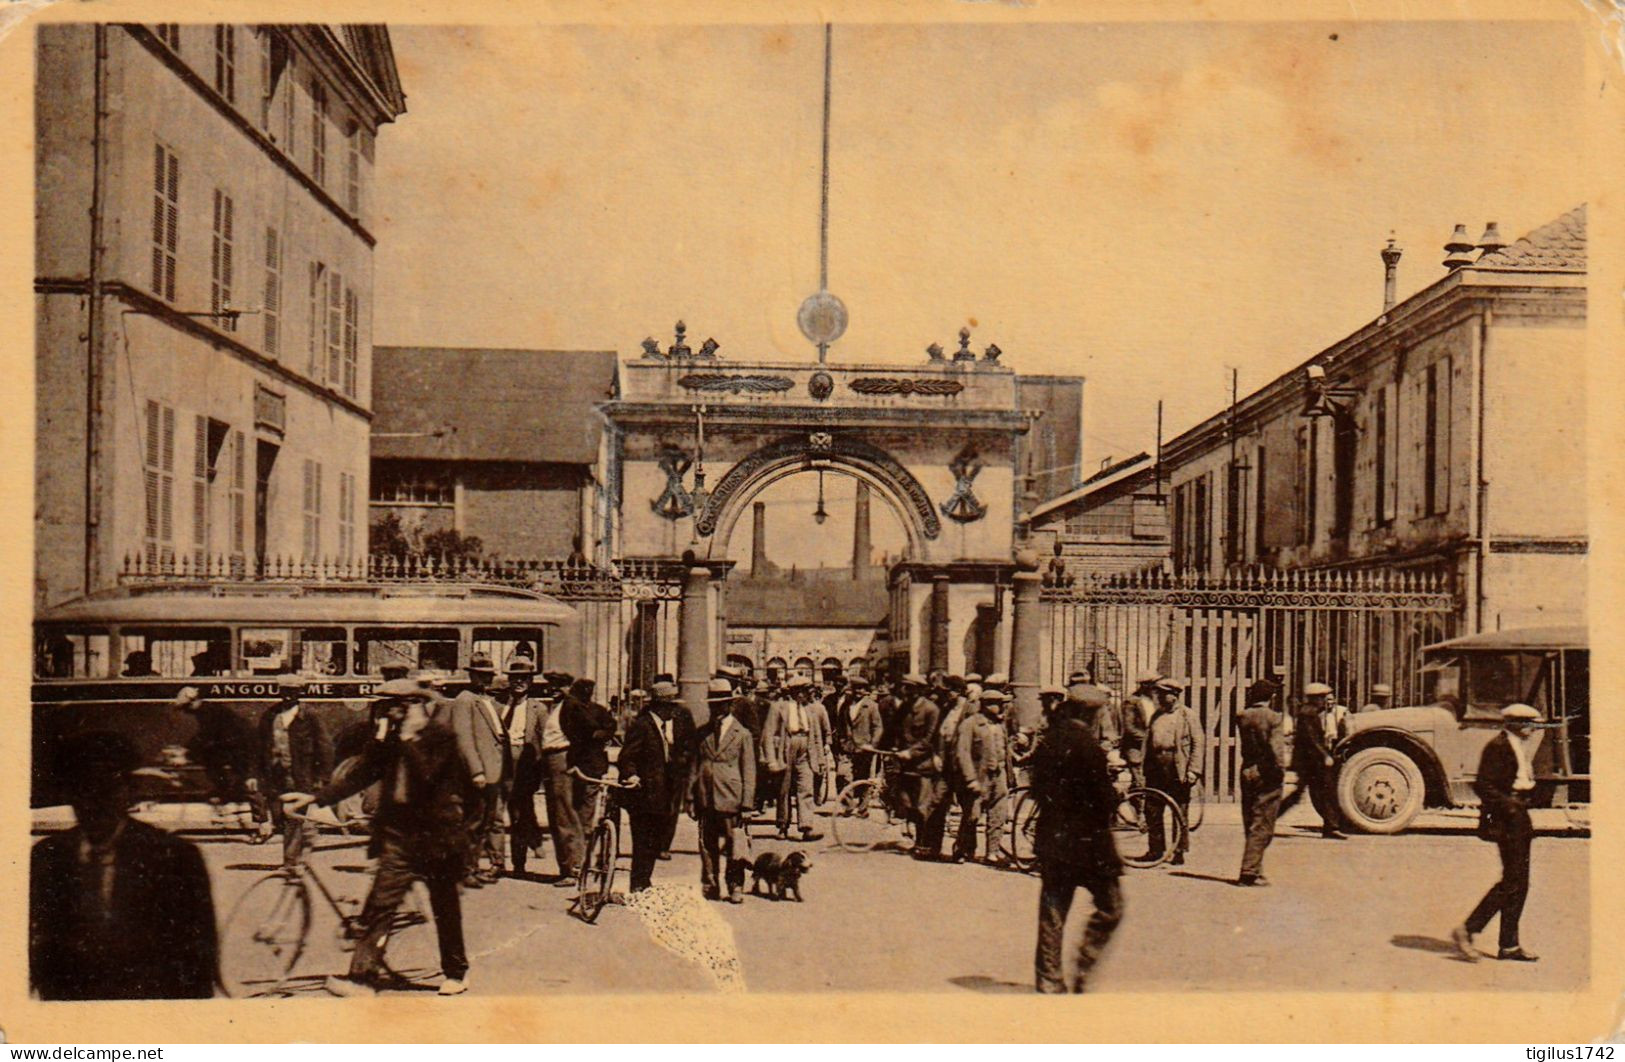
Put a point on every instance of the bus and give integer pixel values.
(119, 661)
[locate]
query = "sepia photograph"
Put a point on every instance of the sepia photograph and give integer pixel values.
(985, 502)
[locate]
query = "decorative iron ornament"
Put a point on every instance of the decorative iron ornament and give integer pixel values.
(963, 504)
(735, 383)
(675, 502)
(821, 385)
(822, 444)
(891, 385)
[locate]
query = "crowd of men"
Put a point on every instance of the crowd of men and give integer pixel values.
(450, 786)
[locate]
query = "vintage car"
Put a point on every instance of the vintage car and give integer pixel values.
(1394, 762)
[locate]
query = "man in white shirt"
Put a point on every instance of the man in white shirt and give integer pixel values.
(797, 739)
(723, 782)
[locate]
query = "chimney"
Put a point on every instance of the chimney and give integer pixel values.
(1491, 241)
(861, 544)
(1390, 273)
(1458, 250)
(758, 540)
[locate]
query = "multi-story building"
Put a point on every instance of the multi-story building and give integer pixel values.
(204, 294)
(1447, 436)
(508, 456)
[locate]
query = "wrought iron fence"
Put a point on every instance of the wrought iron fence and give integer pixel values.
(1350, 629)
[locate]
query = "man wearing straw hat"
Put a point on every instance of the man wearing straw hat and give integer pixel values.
(724, 782)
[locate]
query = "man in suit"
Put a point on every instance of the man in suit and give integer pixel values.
(985, 793)
(1505, 785)
(1138, 708)
(589, 727)
(1312, 760)
(225, 745)
(725, 776)
(420, 832)
(797, 736)
(679, 723)
(1092, 705)
(1175, 749)
(525, 716)
(924, 797)
(863, 729)
(645, 756)
(117, 909)
(483, 743)
(1072, 785)
(294, 757)
(1262, 734)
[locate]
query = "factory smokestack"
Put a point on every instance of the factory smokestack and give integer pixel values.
(759, 564)
(861, 545)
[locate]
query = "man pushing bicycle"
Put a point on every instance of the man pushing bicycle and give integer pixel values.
(419, 832)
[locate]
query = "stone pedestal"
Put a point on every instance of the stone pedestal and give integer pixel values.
(1024, 648)
(937, 657)
(694, 642)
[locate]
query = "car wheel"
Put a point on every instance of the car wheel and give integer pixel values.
(1380, 790)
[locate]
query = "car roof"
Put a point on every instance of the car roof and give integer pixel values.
(393, 605)
(1570, 637)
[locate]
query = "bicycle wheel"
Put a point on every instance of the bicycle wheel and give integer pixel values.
(1017, 842)
(412, 949)
(859, 819)
(1131, 827)
(264, 936)
(597, 873)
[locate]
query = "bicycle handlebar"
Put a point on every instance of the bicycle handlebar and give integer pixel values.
(579, 773)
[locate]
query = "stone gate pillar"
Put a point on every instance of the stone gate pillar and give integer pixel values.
(694, 642)
(937, 657)
(1024, 646)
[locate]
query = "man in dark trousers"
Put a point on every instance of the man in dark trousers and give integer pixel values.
(726, 773)
(294, 757)
(477, 723)
(525, 717)
(1505, 785)
(924, 795)
(588, 727)
(1312, 761)
(1262, 736)
(644, 760)
(1175, 750)
(680, 728)
(226, 747)
(117, 909)
(420, 831)
(1073, 843)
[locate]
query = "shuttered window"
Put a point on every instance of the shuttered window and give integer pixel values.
(166, 210)
(318, 132)
(267, 78)
(313, 510)
(347, 540)
(290, 110)
(1201, 534)
(158, 453)
(1260, 502)
(1436, 466)
(335, 329)
(225, 62)
(351, 341)
(170, 34)
(317, 318)
(239, 479)
(200, 489)
(221, 254)
(272, 312)
(352, 170)
(1386, 435)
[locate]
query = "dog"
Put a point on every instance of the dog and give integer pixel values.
(781, 874)
(735, 876)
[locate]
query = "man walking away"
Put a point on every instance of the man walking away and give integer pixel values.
(117, 909)
(420, 831)
(1263, 765)
(1174, 750)
(1506, 787)
(1073, 844)
(643, 763)
(1312, 761)
(483, 744)
(293, 758)
(986, 794)
(725, 775)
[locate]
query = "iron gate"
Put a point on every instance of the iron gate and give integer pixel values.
(1350, 630)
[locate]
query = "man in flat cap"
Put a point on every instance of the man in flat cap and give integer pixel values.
(862, 728)
(1092, 706)
(1175, 751)
(1313, 762)
(1262, 733)
(117, 909)
(294, 757)
(923, 796)
(985, 785)
(1505, 785)
(1382, 697)
(1138, 708)
(483, 743)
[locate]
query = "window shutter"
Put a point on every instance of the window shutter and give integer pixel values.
(273, 292)
(166, 529)
(1390, 500)
(335, 329)
(200, 483)
(238, 476)
(350, 341)
(1441, 436)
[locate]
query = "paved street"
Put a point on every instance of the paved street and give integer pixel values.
(1369, 913)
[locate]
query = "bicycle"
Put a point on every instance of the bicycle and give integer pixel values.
(269, 930)
(865, 810)
(595, 881)
(1129, 825)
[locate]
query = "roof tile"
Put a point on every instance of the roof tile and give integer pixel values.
(1556, 247)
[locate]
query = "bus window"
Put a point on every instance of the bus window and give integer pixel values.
(70, 654)
(1496, 680)
(1577, 708)
(424, 648)
(504, 643)
(181, 652)
(304, 651)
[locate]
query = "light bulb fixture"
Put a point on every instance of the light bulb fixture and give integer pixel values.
(819, 514)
